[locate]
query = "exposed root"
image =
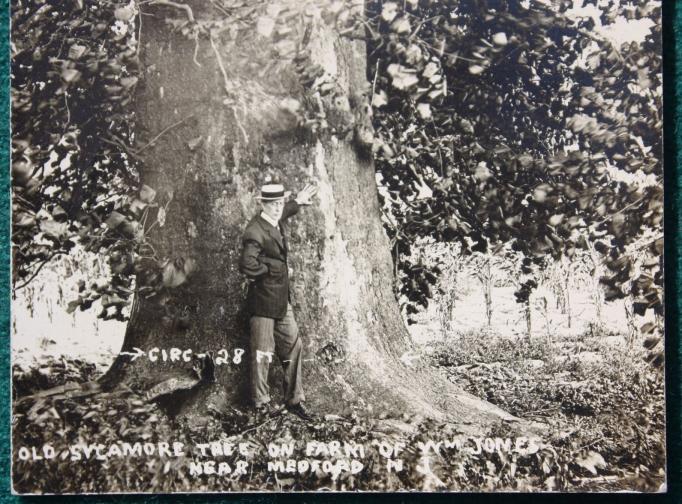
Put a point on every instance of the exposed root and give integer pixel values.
(164, 131)
(226, 79)
(196, 51)
(239, 124)
(168, 3)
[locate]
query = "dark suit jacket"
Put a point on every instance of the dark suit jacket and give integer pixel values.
(264, 260)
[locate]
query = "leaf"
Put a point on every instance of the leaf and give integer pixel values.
(617, 224)
(114, 220)
(112, 300)
(430, 70)
(643, 79)
(273, 9)
(475, 69)
(131, 229)
(128, 82)
(76, 51)
(189, 266)
(124, 13)
(403, 77)
(194, 143)
(413, 55)
(172, 277)
(54, 229)
(70, 75)
(651, 341)
(424, 110)
(379, 99)
(594, 61)
(71, 307)
(161, 216)
(23, 219)
(176, 273)
(147, 194)
(291, 105)
(592, 461)
(482, 172)
(639, 308)
(264, 26)
(467, 126)
(389, 11)
(90, 414)
(500, 38)
(555, 220)
(387, 150)
(21, 171)
(401, 26)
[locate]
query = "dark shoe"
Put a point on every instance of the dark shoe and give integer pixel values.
(300, 412)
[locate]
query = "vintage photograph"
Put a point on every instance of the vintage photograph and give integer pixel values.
(337, 246)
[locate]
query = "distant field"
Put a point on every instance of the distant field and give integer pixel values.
(508, 317)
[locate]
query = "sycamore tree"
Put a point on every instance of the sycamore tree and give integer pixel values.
(142, 130)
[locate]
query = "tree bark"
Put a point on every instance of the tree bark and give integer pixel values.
(352, 331)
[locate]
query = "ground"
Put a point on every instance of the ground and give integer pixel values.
(600, 404)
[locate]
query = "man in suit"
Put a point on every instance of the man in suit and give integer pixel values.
(272, 325)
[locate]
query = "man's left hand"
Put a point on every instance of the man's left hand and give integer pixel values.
(304, 196)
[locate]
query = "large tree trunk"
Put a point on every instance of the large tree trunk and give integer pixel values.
(351, 328)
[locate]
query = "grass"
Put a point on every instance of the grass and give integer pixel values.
(611, 405)
(605, 430)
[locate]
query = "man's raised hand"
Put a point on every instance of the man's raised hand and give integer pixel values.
(304, 196)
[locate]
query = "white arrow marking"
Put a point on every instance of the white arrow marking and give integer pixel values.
(136, 354)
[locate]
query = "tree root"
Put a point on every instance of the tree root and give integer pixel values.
(168, 3)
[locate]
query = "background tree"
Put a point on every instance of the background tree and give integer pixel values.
(490, 269)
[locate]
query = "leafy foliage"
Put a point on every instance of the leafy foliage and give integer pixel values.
(75, 168)
(499, 123)
(575, 158)
(52, 372)
(613, 406)
(74, 71)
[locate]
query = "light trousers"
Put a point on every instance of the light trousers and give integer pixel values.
(270, 337)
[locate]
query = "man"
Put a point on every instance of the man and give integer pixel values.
(272, 325)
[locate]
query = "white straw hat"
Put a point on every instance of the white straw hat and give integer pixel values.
(272, 192)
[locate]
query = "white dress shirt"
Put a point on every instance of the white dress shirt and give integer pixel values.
(269, 219)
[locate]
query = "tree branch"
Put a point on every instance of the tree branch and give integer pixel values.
(165, 130)
(196, 52)
(168, 3)
(220, 8)
(35, 273)
(220, 65)
(115, 141)
(610, 216)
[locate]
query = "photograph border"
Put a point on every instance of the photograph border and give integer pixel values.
(672, 91)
